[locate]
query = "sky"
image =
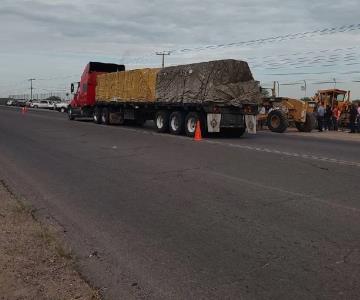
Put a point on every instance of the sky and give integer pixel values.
(316, 43)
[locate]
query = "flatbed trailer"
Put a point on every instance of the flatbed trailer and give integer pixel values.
(173, 117)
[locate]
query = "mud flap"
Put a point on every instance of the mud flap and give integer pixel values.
(213, 122)
(250, 122)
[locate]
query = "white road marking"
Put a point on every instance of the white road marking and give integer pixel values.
(289, 154)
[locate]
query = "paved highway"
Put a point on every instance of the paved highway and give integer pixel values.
(272, 216)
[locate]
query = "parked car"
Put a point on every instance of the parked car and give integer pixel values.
(62, 106)
(10, 102)
(42, 104)
(19, 103)
(28, 103)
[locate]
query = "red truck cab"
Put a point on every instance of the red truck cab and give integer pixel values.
(85, 94)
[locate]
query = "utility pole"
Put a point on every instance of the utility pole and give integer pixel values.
(163, 56)
(305, 88)
(31, 87)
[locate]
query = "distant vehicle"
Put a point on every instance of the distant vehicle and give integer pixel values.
(10, 102)
(20, 103)
(28, 103)
(46, 104)
(61, 106)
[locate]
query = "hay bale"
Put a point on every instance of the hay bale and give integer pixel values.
(134, 85)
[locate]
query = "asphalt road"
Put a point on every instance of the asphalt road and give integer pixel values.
(271, 216)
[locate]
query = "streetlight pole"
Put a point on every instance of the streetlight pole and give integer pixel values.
(163, 56)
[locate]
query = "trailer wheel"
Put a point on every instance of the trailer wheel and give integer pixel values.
(105, 116)
(97, 115)
(70, 114)
(190, 123)
(309, 124)
(162, 121)
(277, 121)
(176, 122)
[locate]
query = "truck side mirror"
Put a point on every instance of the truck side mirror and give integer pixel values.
(72, 88)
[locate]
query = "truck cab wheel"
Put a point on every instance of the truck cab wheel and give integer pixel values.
(176, 122)
(70, 114)
(162, 121)
(105, 116)
(97, 115)
(277, 121)
(190, 123)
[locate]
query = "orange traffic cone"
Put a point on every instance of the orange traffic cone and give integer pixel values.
(23, 110)
(198, 136)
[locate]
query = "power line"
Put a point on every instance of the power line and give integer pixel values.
(280, 38)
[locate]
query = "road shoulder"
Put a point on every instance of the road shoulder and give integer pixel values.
(34, 263)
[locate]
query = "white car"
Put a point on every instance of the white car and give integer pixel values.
(42, 104)
(62, 106)
(10, 102)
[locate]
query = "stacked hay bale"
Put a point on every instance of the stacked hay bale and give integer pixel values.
(128, 86)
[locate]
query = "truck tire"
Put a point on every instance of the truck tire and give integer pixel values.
(162, 121)
(97, 115)
(70, 114)
(176, 122)
(105, 116)
(309, 124)
(190, 123)
(277, 121)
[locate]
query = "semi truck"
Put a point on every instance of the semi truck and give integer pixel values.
(220, 95)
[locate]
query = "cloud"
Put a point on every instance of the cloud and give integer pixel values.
(62, 35)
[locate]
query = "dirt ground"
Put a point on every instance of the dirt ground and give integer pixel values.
(34, 264)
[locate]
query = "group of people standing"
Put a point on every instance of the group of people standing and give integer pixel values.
(328, 117)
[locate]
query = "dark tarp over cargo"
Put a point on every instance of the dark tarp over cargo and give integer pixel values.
(224, 81)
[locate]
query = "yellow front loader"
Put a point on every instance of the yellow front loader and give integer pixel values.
(282, 112)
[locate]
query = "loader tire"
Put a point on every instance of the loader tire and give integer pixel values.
(277, 121)
(309, 124)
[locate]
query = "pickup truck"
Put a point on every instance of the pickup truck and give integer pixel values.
(42, 104)
(61, 106)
